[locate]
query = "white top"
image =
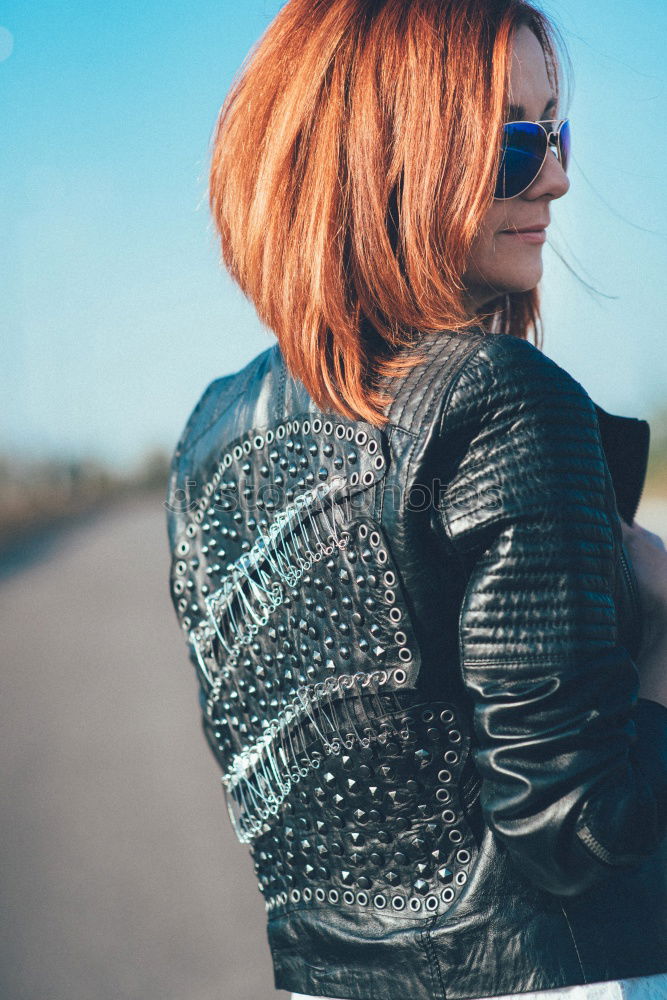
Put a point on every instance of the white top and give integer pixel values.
(642, 988)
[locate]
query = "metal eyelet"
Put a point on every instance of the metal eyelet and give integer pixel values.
(446, 715)
(280, 432)
(461, 878)
(191, 531)
(320, 895)
(307, 894)
(296, 424)
(268, 437)
(247, 447)
(414, 903)
(382, 556)
(367, 478)
(362, 898)
(405, 654)
(258, 441)
(454, 736)
(374, 538)
(361, 437)
(327, 426)
(237, 451)
(333, 895)
(380, 901)
(178, 587)
(305, 427)
(455, 836)
(372, 447)
(348, 897)
(390, 596)
(427, 715)
(395, 615)
(349, 432)
(447, 815)
(316, 425)
(463, 856)
(227, 460)
(398, 902)
(431, 902)
(400, 676)
(389, 577)
(340, 430)
(208, 489)
(444, 775)
(295, 895)
(181, 567)
(447, 894)
(400, 637)
(451, 756)
(378, 462)
(354, 478)
(363, 531)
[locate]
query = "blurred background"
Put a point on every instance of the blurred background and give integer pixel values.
(121, 875)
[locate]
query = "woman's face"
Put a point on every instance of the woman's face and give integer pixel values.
(503, 260)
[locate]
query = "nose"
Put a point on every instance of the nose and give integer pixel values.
(551, 182)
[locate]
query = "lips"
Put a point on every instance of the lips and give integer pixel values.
(527, 229)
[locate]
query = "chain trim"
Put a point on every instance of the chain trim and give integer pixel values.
(262, 775)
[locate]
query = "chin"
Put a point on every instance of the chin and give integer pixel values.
(523, 279)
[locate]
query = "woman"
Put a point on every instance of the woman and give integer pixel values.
(396, 534)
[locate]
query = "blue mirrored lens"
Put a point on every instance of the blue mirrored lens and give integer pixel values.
(565, 144)
(524, 148)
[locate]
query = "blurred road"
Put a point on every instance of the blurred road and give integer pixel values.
(122, 879)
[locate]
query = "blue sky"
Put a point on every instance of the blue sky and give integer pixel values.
(114, 309)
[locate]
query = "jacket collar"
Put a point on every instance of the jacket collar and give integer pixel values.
(625, 441)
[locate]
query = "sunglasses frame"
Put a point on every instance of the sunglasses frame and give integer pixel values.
(553, 139)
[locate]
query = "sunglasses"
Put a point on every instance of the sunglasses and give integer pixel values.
(524, 153)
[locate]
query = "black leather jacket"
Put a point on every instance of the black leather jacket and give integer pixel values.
(415, 654)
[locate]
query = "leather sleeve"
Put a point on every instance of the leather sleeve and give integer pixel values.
(573, 765)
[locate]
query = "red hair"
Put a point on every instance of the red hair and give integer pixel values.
(351, 169)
